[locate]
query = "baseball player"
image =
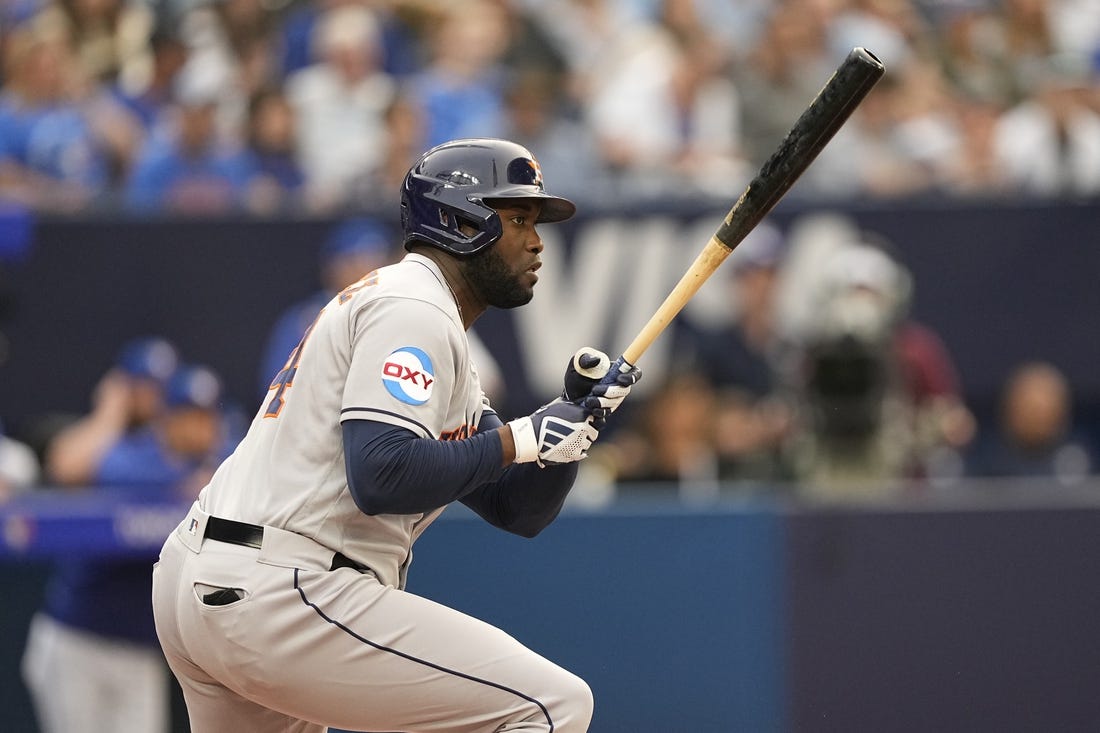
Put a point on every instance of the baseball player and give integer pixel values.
(279, 600)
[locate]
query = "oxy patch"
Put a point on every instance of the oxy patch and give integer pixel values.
(408, 375)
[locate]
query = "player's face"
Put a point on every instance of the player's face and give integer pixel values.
(505, 272)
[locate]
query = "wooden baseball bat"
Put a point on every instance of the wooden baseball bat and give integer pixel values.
(833, 105)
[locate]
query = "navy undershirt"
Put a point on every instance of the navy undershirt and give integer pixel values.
(391, 470)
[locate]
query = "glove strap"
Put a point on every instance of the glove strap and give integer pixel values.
(523, 433)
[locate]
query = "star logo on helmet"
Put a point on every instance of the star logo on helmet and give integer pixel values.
(537, 170)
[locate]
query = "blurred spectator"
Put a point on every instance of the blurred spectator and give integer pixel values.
(1027, 34)
(405, 136)
(1035, 435)
(1049, 144)
(709, 155)
(742, 361)
(110, 36)
(63, 142)
(146, 94)
(399, 21)
(659, 85)
(126, 399)
(236, 41)
(186, 165)
(275, 180)
(904, 140)
(974, 169)
(974, 54)
(19, 469)
(340, 102)
(351, 250)
(461, 90)
(782, 73)
(568, 151)
(1075, 26)
(667, 439)
(878, 397)
(92, 660)
(530, 49)
(665, 114)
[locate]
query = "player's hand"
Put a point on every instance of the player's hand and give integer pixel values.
(604, 398)
(585, 370)
(556, 433)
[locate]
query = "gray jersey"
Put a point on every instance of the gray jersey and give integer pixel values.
(389, 348)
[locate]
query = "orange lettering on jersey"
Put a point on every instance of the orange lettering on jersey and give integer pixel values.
(371, 278)
(284, 380)
(463, 431)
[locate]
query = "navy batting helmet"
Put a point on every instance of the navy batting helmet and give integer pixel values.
(455, 183)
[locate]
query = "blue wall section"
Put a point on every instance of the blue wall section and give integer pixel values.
(916, 621)
(674, 619)
(933, 615)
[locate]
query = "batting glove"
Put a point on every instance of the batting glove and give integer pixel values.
(605, 397)
(584, 371)
(556, 433)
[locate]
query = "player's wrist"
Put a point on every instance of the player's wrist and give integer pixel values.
(524, 443)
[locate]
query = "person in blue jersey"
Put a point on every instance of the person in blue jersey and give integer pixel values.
(92, 661)
(189, 164)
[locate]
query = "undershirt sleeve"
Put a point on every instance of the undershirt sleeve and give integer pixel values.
(391, 470)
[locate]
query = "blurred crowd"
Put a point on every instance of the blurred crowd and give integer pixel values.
(286, 106)
(823, 386)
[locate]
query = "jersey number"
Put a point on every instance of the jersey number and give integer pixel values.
(285, 378)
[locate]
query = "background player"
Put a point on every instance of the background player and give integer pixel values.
(279, 600)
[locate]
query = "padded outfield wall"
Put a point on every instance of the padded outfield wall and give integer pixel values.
(976, 611)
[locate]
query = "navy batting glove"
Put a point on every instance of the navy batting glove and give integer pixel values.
(605, 397)
(556, 433)
(584, 371)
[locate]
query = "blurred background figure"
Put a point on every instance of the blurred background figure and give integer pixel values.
(878, 398)
(1035, 435)
(125, 400)
(189, 164)
(666, 440)
(92, 659)
(147, 93)
(351, 250)
(1049, 143)
(19, 469)
(275, 178)
(539, 119)
(461, 89)
(742, 361)
(64, 142)
(340, 101)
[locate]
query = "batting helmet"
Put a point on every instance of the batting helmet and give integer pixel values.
(455, 183)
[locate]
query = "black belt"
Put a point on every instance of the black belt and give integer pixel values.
(252, 535)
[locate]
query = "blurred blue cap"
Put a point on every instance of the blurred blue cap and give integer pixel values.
(355, 237)
(150, 358)
(193, 386)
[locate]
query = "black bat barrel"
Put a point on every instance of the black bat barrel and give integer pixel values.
(833, 105)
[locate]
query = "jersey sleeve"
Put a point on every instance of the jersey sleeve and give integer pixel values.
(402, 369)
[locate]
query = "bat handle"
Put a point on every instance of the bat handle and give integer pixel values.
(619, 366)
